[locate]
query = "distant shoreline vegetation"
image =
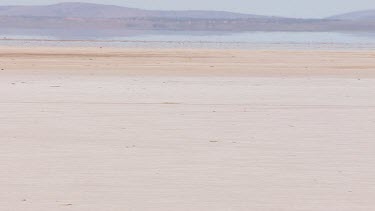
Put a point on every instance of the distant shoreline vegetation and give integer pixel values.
(235, 25)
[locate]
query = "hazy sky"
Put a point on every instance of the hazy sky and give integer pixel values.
(290, 8)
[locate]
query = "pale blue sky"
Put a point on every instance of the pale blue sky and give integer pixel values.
(289, 8)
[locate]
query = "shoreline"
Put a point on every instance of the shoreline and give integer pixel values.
(187, 62)
(186, 44)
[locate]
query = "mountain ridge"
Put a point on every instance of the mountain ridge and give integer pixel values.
(91, 10)
(364, 15)
(76, 17)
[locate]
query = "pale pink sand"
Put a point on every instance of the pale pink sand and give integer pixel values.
(100, 138)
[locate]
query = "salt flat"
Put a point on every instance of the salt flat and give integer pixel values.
(82, 129)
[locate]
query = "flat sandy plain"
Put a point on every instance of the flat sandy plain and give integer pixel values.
(93, 129)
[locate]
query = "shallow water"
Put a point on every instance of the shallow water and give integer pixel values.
(248, 40)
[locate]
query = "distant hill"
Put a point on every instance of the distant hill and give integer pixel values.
(88, 10)
(80, 18)
(367, 15)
